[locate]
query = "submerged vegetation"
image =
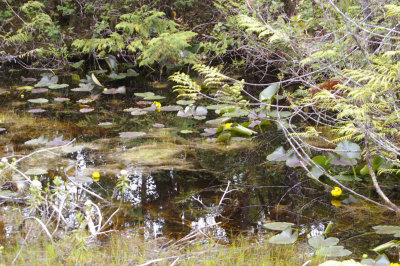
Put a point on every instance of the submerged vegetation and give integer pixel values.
(184, 131)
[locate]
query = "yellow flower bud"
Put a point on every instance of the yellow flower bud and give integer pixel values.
(96, 176)
(228, 126)
(336, 191)
(158, 105)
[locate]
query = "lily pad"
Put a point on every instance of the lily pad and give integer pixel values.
(60, 100)
(158, 125)
(293, 161)
(319, 241)
(333, 251)
(285, 237)
(86, 110)
(170, 108)
(39, 141)
(131, 135)
(381, 260)
(138, 111)
(348, 150)
(209, 132)
(25, 88)
(72, 148)
(279, 226)
(84, 87)
(38, 100)
(185, 102)
(58, 86)
(47, 80)
(8, 194)
(315, 172)
(387, 230)
(149, 96)
(279, 155)
(57, 141)
(119, 90)
(36, 111)
(186, 131)
(40, 90)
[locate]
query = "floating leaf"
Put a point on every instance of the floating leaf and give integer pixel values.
(315, 172)
(131, 135)
(36, 111)
(348, 150)
(61, 99)
(186, 131)
(84, 87)
(40, 90)
(57, 141)
(279, 155)
(185, 102)
(285, 237)
(333, 251)
(138, 111)
(25, 88)
(39, 141)
(269, 92)
(46, 81)
(38, 100)
(209, 132)
(149, 96)
(278, 226)
(319, 241)
(117, 76)
(293, 161)
(86, 110)
(236, 112)
(131, 73)
(170, 108)
(387, 230)
(280, 114)
(57, 86)
(72, 148)
(158, 125)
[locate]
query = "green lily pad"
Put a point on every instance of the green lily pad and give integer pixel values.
(185, 131)
(293, 161)
(316, 172)
(218, 121)
(280, 114)
(285, 237)
(333, 251)
(348, 150)
(39, 141)
(38, 100)
(149, 96)
(381, 260)
(387, 230)
(319, 241)
(58, 86)
(131, 135)
(279, 226)
(185, 102)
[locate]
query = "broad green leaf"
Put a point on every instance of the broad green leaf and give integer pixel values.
(224, 137)
(348, 150)
(58, 86)
(280, 114)
(285, 237)
(319, 241)
(269, 92)
(320, 160)
(186, 102)
(38, 100)
(333, 251)
(387, 230)
(78, 64)
(279, 226)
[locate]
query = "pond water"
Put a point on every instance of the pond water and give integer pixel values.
(179, 179)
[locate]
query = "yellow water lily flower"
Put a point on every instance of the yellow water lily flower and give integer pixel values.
(96, 176)
(336, 203)
(158, 105)
(228, 126)
(336, 191)
(394, 264)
